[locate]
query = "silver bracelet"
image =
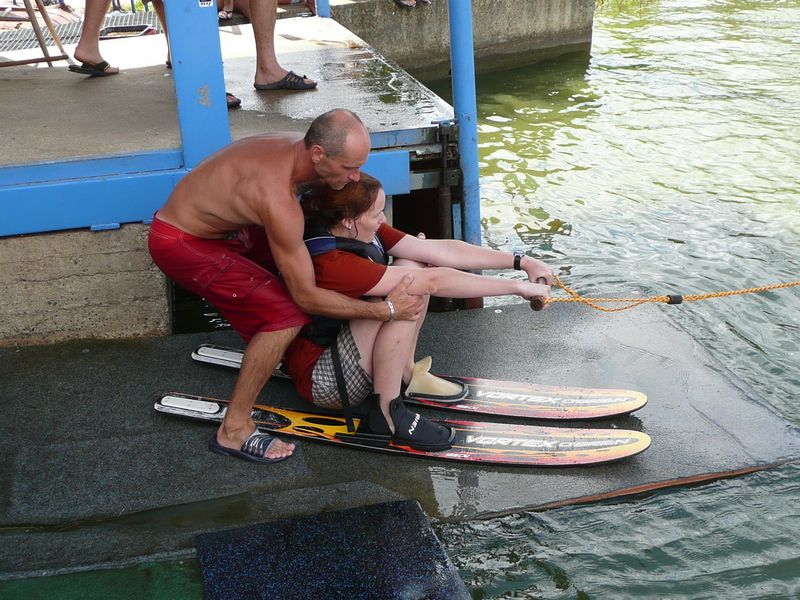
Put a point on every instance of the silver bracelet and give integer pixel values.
(391, 309)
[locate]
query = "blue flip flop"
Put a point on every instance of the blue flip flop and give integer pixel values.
(253, 449)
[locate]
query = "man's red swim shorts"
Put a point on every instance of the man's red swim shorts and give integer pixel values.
(235, 275)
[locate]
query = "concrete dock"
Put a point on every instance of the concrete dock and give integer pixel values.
(62, 116)
(87, 463)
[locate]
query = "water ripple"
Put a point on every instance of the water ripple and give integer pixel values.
(667, 161)
(730, 539)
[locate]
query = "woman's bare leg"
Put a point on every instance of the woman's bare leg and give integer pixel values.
(392, 344)
(404, 262)
(384, 349)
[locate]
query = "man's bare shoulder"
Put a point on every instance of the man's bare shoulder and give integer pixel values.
(267, 142)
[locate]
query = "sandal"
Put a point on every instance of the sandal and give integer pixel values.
(225, 15)
(253, 449)
(101, 69)
(232, 101)
(291, 81)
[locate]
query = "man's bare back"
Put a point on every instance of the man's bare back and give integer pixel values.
(237, 186)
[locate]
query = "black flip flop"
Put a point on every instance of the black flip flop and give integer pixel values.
(233, 101)
(93, 69)
(291, 81)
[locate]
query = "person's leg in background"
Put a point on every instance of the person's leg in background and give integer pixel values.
(88, 49)
(269, 73)
(158, 6)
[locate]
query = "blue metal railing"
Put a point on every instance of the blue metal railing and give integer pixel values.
(462, 64)
(199, 80)
(323, 8)
(111, 190)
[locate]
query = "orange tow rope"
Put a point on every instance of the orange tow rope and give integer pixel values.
(670, 299)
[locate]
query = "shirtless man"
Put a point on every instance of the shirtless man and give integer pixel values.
(233, 223)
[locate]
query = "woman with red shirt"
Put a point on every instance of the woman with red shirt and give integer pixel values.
(349, 240)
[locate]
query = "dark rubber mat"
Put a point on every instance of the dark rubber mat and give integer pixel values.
(381, 551)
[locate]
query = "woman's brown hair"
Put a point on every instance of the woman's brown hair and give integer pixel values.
(329, 206)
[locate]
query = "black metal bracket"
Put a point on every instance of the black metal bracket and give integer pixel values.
(448, 137)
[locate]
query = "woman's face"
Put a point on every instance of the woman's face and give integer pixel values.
(367, 223)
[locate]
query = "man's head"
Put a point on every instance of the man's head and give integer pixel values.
(339, 146)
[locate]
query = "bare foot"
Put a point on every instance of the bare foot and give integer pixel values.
(280, 449)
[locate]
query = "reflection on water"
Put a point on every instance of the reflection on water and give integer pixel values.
(667, 161)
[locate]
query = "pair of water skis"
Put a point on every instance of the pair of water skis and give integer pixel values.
(481, 441)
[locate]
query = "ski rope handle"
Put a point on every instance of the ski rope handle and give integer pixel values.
(539, 303)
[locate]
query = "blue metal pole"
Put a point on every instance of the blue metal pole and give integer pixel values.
(199, 82)
(323, 8)
(462, 63)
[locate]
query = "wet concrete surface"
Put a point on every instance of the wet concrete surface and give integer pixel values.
(59, 115)
(87, 463)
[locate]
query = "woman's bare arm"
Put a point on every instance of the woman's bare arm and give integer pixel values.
(461, 255)
(451, 283)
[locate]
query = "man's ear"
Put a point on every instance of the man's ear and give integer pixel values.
(317, 153)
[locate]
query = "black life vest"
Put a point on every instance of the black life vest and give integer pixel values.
(324, 330)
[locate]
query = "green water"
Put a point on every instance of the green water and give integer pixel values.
(666, 160)
(155, 581)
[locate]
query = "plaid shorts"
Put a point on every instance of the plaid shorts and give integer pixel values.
(358, 383)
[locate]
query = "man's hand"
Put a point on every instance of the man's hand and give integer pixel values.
(406, 307)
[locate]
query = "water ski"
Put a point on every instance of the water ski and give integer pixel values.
(475, 442)
(494, 398)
